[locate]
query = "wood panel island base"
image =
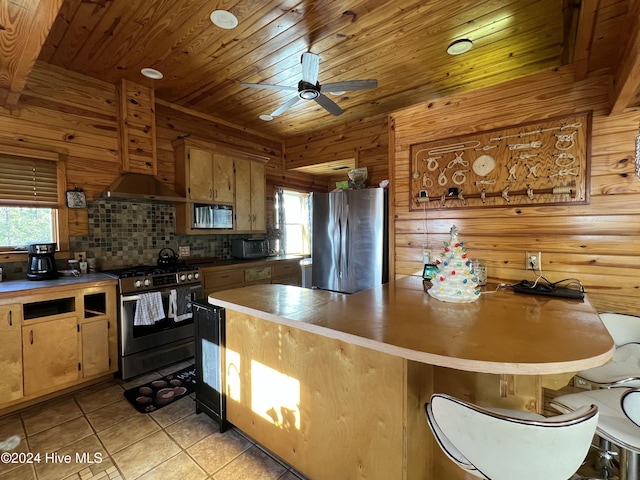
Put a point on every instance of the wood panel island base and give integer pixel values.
(335, 384)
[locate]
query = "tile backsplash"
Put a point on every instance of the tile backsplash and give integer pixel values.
(123, 233)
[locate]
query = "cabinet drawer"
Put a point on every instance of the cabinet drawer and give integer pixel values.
(293, 279)
(256, 273)
(223, 278)
(286, 268)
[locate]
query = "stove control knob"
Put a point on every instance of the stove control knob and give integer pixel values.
(146, 282)
(183, 277)
(137, 284)
(196, 275)
(189, 276)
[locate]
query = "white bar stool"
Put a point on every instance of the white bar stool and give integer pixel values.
(508, 444)
(622, 371)
(624, 368)
(618, 423)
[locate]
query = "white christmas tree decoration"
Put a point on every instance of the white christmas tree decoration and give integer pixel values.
(456, 281)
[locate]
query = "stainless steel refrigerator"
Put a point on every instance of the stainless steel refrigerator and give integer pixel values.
(350, 240)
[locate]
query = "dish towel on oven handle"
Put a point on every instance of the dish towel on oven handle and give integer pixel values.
(149, 309)
(180, 304)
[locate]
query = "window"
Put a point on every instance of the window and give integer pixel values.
(28, 201)
(293, 219)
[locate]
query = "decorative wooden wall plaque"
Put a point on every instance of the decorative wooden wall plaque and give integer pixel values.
(539, 163)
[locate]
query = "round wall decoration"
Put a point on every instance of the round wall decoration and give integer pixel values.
(483, 165)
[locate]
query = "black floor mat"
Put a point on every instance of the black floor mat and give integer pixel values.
(159, 393)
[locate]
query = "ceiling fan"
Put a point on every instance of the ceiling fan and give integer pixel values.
(310, 89)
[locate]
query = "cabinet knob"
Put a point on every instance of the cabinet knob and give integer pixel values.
(10, 318)
(31, 337)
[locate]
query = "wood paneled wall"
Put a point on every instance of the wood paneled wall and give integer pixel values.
(78, 116)
(599, 243)
(366, 141)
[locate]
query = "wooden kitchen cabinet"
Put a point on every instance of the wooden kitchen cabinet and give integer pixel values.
(219, 174)
(11, 351)
(95, 351)
(209, 176)
(287, 272)
(98, 333)
(250, 196)
(56, 340)
(50, 353)
(224, 277)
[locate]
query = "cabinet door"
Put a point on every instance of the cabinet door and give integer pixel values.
(200, 175)
(223, 184)
(243, 195)
(250, 196)
(258, 181)
(11, 352)
(50, 354)
(95, 348)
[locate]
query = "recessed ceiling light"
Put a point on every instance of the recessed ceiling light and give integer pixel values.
(459, 46)
(266, 118)
(224, 19)
(151, 73)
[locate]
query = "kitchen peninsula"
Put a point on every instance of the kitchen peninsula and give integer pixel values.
(335, 384)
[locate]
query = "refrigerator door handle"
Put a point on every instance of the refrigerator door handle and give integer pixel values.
(345, 240)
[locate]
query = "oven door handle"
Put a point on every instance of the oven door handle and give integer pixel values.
(165, 293)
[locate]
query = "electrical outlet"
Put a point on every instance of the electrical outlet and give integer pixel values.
(78, 255)
(184, 251)
(534, 258)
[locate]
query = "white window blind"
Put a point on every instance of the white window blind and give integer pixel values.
(28, 182)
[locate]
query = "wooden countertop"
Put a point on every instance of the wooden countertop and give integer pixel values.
(14, 288)
(503, 332)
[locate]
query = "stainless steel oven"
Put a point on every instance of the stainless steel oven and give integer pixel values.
(167, 339)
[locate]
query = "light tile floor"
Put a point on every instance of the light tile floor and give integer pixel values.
(96, 434)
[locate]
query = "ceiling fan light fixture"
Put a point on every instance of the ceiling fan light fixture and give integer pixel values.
(337, 94)
(460, 46)
(224, 19)
(152, 73)
(266, 118)
(308, 94)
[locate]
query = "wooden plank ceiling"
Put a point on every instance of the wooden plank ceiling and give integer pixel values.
(401, 43)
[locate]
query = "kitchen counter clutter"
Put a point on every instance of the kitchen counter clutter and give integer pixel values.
(306, 365)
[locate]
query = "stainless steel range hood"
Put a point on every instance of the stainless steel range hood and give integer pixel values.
(138, 186)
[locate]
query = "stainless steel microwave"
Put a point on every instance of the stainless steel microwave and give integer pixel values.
(211, 216)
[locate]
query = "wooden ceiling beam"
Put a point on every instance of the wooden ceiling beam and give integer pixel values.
(579, 38)
(626, 82)
(24, 26)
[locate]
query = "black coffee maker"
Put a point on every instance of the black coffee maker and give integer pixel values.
(42, 263)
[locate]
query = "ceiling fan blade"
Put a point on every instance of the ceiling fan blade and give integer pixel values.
(270, 87)
(285, 106)
(310, 67)
(329, 105)
(348, 86)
